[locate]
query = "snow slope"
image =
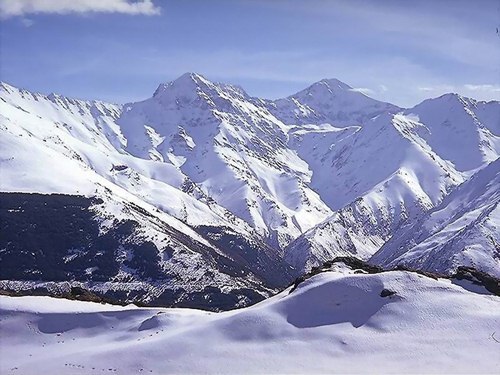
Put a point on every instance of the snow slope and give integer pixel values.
(333, 322)
(463, 230)
(389, 170)
(83, 148)
(205, 153)
(461, 130)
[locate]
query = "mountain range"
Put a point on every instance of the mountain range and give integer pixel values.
(204, 196)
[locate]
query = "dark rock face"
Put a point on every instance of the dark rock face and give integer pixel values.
(356, 264)
(257, 257)
(55, 238)
(490, 283)
(386, 293)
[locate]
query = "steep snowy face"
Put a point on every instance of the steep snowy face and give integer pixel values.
(338, 320)
(233, 148)
(390, 170)
(352, 231)
(386, 155)
(461, 130)
(84, 148)
(331, 101)
(93, 122)
(488, 114)
(463, 230)
(372, 186)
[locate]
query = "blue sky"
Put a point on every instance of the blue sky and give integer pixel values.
(400, 51)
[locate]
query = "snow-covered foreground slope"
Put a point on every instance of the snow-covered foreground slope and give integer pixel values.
(334, 322)
(463, 230)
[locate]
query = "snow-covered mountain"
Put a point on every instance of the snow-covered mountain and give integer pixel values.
(253, 185)
(232, 148)
(461, 130)
(329, 101)
(52, 144)
(463, 230)
(343, 320)
(391, 170)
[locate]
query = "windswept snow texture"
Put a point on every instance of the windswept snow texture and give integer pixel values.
(325, 172)
(463, 230)
(334, 322)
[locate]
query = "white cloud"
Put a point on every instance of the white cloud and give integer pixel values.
(485, 88)
(426, 89)
(438, 89)
(27, 22)
(13, 8)
(364, 90)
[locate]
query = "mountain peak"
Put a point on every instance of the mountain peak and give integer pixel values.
(186, 83)
(191, 84)
(327, 88)
(451, 100)
(191, 77)
(333, 83)
(452, 96)
(6, 87)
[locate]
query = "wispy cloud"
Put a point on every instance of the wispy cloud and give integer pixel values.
(437, 89)
(27, 22)
(475, 91)
(364, 90)
(14, 8)
(438, 29)
(484, 88)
